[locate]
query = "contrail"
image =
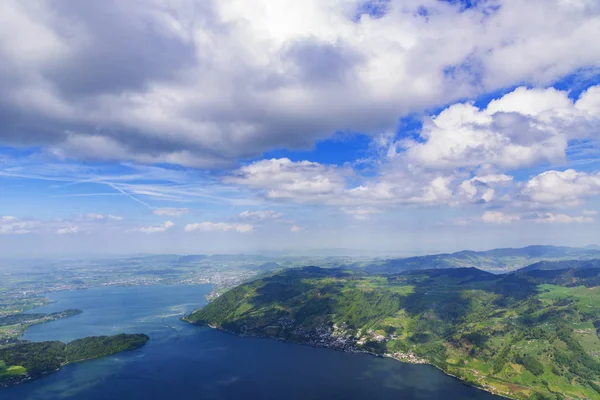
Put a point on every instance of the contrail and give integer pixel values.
(129, 195)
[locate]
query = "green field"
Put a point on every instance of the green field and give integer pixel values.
(12, 370)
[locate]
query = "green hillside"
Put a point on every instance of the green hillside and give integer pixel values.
(525, 335)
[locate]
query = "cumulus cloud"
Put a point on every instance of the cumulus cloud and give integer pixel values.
(219, 227)
(524, 127)
(100, 217)
(86, 223)
(395, 185)
(66, 230)
(551, 218)
(227, 80)
(456, 160)
(480, 189)
(93, 216)
(283, 179)
(260, 215)
(170, 212)
(361, 213)
(561, 188)
(157, 228)
(296, 228)
(14, 226)
(498, 217)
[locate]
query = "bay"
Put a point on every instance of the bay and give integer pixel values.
(182, 361)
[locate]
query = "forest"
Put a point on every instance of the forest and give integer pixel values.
(29, 360)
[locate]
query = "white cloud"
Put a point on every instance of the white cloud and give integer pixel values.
(481, 188)
(226, 81)
(93, 216)
(261, 215)
(551, 218)
(532, 102)
(100, 217)
(66, 230)
(311, 182)
(295, 229)
(219, 227)
(589, 101)
(283, 179)
(498, 217)
(520, 129)
(170, 212)
(590, 212)
(15, 226)
(158, 228)
(561, 188)
(79, 223)
(231, 79)
(395, 185)
(361, 213)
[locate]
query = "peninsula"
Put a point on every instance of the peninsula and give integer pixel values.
(25, 360)
(22, 360)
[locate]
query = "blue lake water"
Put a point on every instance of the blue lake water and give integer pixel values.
(182, 361)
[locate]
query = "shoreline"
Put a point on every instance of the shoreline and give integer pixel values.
(426, 362)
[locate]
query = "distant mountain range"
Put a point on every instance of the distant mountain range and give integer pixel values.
(558, 265)
(496, 260)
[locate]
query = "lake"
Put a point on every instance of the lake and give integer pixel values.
(182, 361)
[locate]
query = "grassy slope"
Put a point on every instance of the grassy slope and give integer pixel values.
(523, 335)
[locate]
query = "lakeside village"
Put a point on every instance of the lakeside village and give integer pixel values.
(336, 337)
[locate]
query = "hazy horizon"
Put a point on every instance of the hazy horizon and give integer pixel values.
(282, 253)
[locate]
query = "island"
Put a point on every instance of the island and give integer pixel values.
(24, 361)
(530, 334)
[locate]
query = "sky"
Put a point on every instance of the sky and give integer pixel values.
(246, 126)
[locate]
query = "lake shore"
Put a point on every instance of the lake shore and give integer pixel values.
(404, 359)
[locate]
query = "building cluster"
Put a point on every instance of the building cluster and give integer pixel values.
(334, 337)
(408, 357)
(338, 337)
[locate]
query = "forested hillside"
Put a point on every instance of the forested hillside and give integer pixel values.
(531, 334)
(30, 360)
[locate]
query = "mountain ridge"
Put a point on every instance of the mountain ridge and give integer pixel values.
(494, 260)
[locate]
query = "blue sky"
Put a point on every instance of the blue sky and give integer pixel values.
(248, 126)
